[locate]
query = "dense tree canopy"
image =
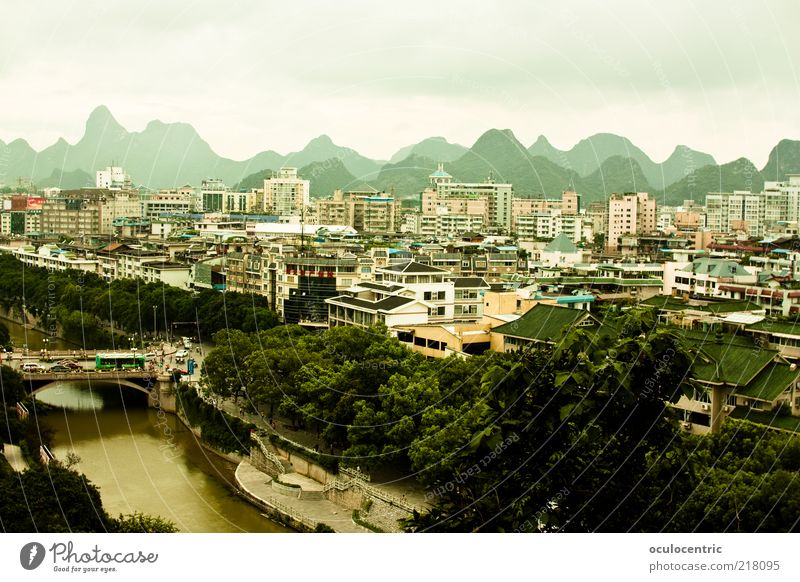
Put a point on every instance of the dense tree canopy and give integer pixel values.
(573, 437)
(88, 309)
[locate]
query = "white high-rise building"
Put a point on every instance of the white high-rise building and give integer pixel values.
(113, 178)
(490, 200)
(752, 212)
(286, 194)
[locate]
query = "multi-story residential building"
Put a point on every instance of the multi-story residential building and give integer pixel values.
(751, 212)
(113, 178)
(491, 200)
(169, 202)
(705, 277)
(53, 258)
(213, 193)
(365, 211)
(395, 304)
(122, 261)
(597, 216)
(630, 213)
(427, 283)
(549, 224)
(88, 211)
(21, 215)
(445, 224)
(286, 194)
(790, 191)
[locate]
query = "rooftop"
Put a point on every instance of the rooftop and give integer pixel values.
(543, 322)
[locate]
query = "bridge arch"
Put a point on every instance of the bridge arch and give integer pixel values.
(110, 381)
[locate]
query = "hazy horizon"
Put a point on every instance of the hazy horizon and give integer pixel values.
(258, 76)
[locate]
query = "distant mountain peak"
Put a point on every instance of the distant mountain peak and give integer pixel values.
(323, 139)
(495, 136)
(101, 119)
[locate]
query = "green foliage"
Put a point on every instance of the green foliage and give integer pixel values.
(285, 484)
(365, 524)
(84, 305)
(217, 428)
(12, 389)
(327, 462)
(51, 499)
(5, 336)
(324, 528)
(140, 523)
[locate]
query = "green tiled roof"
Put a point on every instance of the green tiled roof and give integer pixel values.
(669, 303)
(561, 244)
(733, 360)
(542, 322)
(604, 281)
(717, 268)
(770, 382)
(774, 326)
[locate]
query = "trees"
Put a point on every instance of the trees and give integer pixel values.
(557, 434)
(140, 523)
(51, 499)
(5, 336)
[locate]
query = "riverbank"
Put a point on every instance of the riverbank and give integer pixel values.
(306, 515)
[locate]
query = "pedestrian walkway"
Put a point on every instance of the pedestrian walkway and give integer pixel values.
(13, 455)
(311, 512)
(404, 488)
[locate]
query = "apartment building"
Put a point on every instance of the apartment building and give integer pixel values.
(492, 201)
(365, 211)
(169, 202)
(88, 211)
(751, 212)
(286, 194)
(113, 178)
(629, 214)
(549, 224)
(53, 258)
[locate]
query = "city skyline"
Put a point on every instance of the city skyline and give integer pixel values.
(377, 80)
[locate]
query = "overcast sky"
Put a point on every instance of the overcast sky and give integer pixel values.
(255, 75)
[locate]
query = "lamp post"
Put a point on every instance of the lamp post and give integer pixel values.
(154, 321)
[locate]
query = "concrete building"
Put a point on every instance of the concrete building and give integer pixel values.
(88, 211)
(286, 194)
(365, 210)
(491, 200)
(753, 213)
(705, 276)
(169, 202)
(549, 224)
(629, 214)
(561, 252)
(113, 178)
(53, 258)
(213, 194)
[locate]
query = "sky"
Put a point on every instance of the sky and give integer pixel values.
(252, 75)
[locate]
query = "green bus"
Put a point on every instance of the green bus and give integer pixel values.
(119, 361)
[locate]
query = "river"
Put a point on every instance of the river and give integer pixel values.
(33, 338)
(145, 462)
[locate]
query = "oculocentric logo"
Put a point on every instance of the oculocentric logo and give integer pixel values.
(31, 555)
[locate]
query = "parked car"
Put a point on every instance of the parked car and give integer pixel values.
(181, 354)
(59, 368)
(31, 367)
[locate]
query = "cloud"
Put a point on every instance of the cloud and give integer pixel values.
(251, 75)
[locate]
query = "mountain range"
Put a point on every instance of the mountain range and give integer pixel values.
(173, 154)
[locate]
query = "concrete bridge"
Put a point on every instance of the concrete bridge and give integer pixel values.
(159, 387)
